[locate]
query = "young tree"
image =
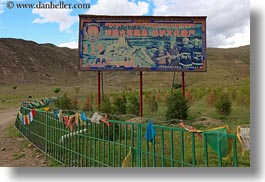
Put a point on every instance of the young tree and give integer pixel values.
(133, 105)
(223, 104)
(177, 107)
(119, 104)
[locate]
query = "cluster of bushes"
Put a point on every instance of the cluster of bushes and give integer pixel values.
(121, 104)
(174, 105)
(128, 103)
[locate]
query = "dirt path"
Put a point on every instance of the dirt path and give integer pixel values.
(15, 150)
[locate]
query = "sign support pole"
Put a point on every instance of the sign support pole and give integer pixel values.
(102, 86)
(141, 94)
(99, 89)
(183, 84)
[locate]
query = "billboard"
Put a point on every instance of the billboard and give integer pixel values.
(142, 43)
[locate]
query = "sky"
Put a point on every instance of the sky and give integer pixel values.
(228, 22)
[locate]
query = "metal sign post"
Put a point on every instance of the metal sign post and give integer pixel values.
(99, 89)
(183, 84)
(141, 94)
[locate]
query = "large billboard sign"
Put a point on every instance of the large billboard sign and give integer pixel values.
(142, 43)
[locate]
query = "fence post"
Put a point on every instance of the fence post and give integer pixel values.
(182, 147)
(235, 153)
(205, 146)
(46, 133)
(219, 151)
(138, 145)
(193, 149)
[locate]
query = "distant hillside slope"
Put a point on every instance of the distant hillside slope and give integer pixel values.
(26, 62)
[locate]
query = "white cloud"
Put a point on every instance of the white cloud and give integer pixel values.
(119, 7)
(228, 22)
(237, 39)
(72, 45)
(61, 16)
(2, 5)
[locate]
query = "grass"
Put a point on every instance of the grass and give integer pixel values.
(223, 73)
(18, 156)
(198, 108)
(54, 163)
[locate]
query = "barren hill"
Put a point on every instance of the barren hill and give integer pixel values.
(26, 62)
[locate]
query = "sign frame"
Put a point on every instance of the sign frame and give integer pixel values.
(102, 29)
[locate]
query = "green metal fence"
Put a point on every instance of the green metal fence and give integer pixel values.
(97, 145)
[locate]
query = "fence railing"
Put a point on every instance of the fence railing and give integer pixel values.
(120, 144)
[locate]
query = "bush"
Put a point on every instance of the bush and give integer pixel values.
(56, 90)
(151, 103)
(64, 102)
(223, 104)
(188, 95)
(119, 104)
(177, 107)
(133, 105)
(110, 133)
(75, 103)
(88, 104)
(106, 106)
(177, 85)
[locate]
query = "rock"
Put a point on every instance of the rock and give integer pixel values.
(38, 156)
(238, 62)
(137, 120)
(29, 145)
(20, 139)
(2, 148)
(208, 121)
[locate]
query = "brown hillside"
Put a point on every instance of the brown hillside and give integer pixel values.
(26, 62)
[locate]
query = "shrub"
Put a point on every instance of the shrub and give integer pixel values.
(133, 105)
(75, 103)
(119, 104)
(64, 102)
(106, 106)
(177, 107)
(88, 104)
(110, 133)
(223, 104)
(188, 95)
(56, 90)
(177, 85)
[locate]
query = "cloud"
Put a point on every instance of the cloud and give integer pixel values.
(119, 7)
(228, 22)
(2, 5)
(72, 45)
(61, 16)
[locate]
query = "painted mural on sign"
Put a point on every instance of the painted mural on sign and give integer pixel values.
(130, 43)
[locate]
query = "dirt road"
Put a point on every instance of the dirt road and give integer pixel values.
(15, 150)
